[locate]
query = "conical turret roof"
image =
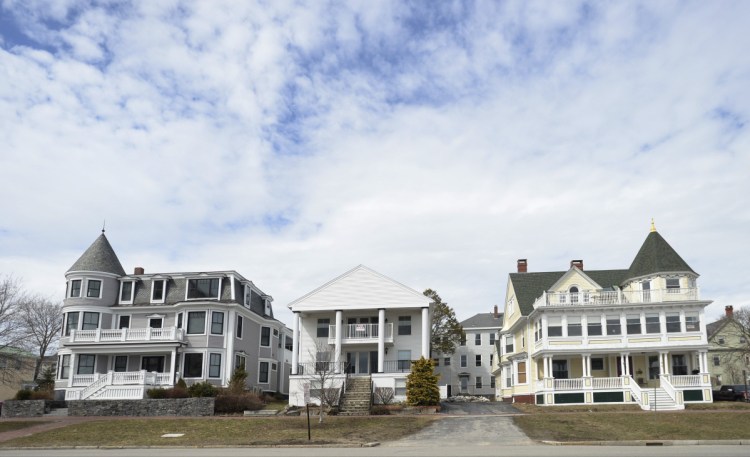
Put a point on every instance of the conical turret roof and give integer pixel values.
(656, 256)
(99, 257)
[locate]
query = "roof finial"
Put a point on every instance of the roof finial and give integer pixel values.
(653, 227)
(104, 225)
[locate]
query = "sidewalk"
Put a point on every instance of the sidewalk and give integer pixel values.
(46, 423)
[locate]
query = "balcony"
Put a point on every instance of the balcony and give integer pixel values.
(615, 297)
(360, 333)
(127, 335)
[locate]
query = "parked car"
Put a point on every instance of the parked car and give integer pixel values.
(731, 393)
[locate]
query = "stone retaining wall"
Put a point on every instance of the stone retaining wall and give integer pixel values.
(23, 408)
(148, 407)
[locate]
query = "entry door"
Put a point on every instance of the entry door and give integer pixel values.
(373, 361)
(351, 362)
(363, 363)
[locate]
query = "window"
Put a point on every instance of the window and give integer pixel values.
(554, 326)
(263, 372)
(239, 362)
(289, 343)
(597, 364)
(492, 382)
(446, 361)
(203, 288)
(508, 344)
(653, 367)
(673, 285)
(404, 325)
(273, 367)
(673, 322)
(217, 323)
(653, 324)
(65, 367)
(463, 339)
(90, 321)
(492, 357)
(153, 363)
(717, 361)
(265, 336)
(721, 340)
(634, 324)
(121, 363)
(322, 362)
(463, 361)
(86, 363)
(679, 365)
(522, 372)
(124, 322)
(692, 324)
(560, 369)
(509, 376)
(193, 365)
(478, 339)
(492, 338)
(594, 326)
(478, 360)
(400, 388)
(280, 339)
(404, 360)
(239, 327)
(158, 289)
(196, 322)
(613, 325)
(179, 320)
(155, 322)
(323, 328)
(574, 326)
(214, 365)
(71, 323)
(126, 292)
(93, 288)
(75, 288)
(478, 383)
(574, 295)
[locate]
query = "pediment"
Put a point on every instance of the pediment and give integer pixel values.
(576, 277)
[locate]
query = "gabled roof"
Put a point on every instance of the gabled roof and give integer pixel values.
(99, 257)
(483, 320)
(530, 286)
(360, 288)
(714, 327)
(656, 256)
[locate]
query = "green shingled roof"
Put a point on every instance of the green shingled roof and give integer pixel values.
(656, 256)
(99, 257)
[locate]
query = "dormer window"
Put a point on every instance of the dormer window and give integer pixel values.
(158, 290)
(673, 285)
(203, 288)
(574, 295)
(94, 288)
(75, 288)
(126, 292)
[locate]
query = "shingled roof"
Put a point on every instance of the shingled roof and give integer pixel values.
(99, 257)
(483, 320)
(656, 256)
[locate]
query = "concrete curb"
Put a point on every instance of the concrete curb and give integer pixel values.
(218, 446)
(651, 443)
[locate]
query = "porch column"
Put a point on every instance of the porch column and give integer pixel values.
(623, 358)
(547, 366)
(172, 366)
(663, 363)
(72, 370)
(702, 362)
(295, 343)
(381, 340)
(426, 333)
(337, 353)
(587, 365)
(229, 345)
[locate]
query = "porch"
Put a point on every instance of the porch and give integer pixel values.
(115, 385)
(360, 333)
(127, 335)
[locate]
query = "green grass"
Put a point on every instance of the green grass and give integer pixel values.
(18, 425)
(225, 431)
(644, 425)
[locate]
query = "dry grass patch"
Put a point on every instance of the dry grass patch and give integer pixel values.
(226, 432)
(10, 426)
(534, 409)
(644, 425)
(719, 405)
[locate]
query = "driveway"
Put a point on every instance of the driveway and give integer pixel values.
(481, 424)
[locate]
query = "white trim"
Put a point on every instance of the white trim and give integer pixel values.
(260, 337)
(164, 365)
(208, 365)
(223, 323)
(101, 288)
(186, 321)
(70, 289)
(237, 320)
(114, 358)
(132, 293)
(194, 278)
(204, 361)
(163, 291)
(268, 361)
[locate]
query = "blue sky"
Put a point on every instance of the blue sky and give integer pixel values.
(435, 142)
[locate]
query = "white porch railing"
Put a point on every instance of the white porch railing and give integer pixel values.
(569, 384)
(686, 381)
(616, 297)
(636, 392)
(127, 335)
(120, 385)
(360, 332)
(668, 387)
(83, 380)
(606, 383)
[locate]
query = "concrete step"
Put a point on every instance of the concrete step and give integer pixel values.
(57, 412)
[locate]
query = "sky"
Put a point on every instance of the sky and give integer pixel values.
(434, 142)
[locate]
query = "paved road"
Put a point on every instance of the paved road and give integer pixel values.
(483, 408)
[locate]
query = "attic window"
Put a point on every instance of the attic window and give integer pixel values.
(673, 285)
(203, 288)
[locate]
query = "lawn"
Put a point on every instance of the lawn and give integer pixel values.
(228, 431)
(17, 425)
(639, 425)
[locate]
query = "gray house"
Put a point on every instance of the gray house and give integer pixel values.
(126, 333)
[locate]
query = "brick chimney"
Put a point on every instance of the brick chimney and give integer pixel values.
(496, 316)
(522, 265)
(577, 263)
(729, 311)
(139, 271)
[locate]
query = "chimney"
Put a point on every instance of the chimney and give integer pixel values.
(729, 310)
(577, 263)
(522, 265)
(139, 271)
(496, 316)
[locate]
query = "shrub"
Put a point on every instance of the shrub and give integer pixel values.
(181, 383)
(203, 389)
(42, 395)
(384, 395)
(157, 392)
(46, 381)
(379, 410)
(177, 392)
(228, 402)
(23, 394)
(237, 381)
(422, 384)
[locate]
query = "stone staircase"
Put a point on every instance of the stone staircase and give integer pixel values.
(661, 401)
(356, 400)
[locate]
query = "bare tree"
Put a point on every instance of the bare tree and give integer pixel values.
(12, 335)
(323, 376)
(41, 320)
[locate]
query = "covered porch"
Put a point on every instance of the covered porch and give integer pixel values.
(658, 380)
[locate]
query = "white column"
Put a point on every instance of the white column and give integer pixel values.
(662, 363)
(229, 345)
(381, 340)
(547, 366)
(72, 370)
(172, 366)
(295, 343)
(426, 333)
(587, 365)
(337, 353)
(626, 358)
(703, 362)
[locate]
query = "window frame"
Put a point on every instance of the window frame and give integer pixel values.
(214, 323)
(185, 365)
(261, 372)
(208, 297)
(89, 283)
(120, 318)
(238, 328)
(323, 330)
(80, 358)
(131, 284)
(68, 328)
(187, 327)
(163, 290)
(478, 360)
(651, 325)
(404, 325)
(267, 337)
(477, 339)
(574, 323)
(614, 325)
(672, 325)
(595, 323)
(478, 382)
(554, 327)
(239, 357)
(79, 289)
(65, 367)
(114, 363)
(463, 361)
(631, 325)
(213, 366)
(84, 323)
(696, 324)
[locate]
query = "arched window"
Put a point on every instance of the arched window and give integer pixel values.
(573, 294)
